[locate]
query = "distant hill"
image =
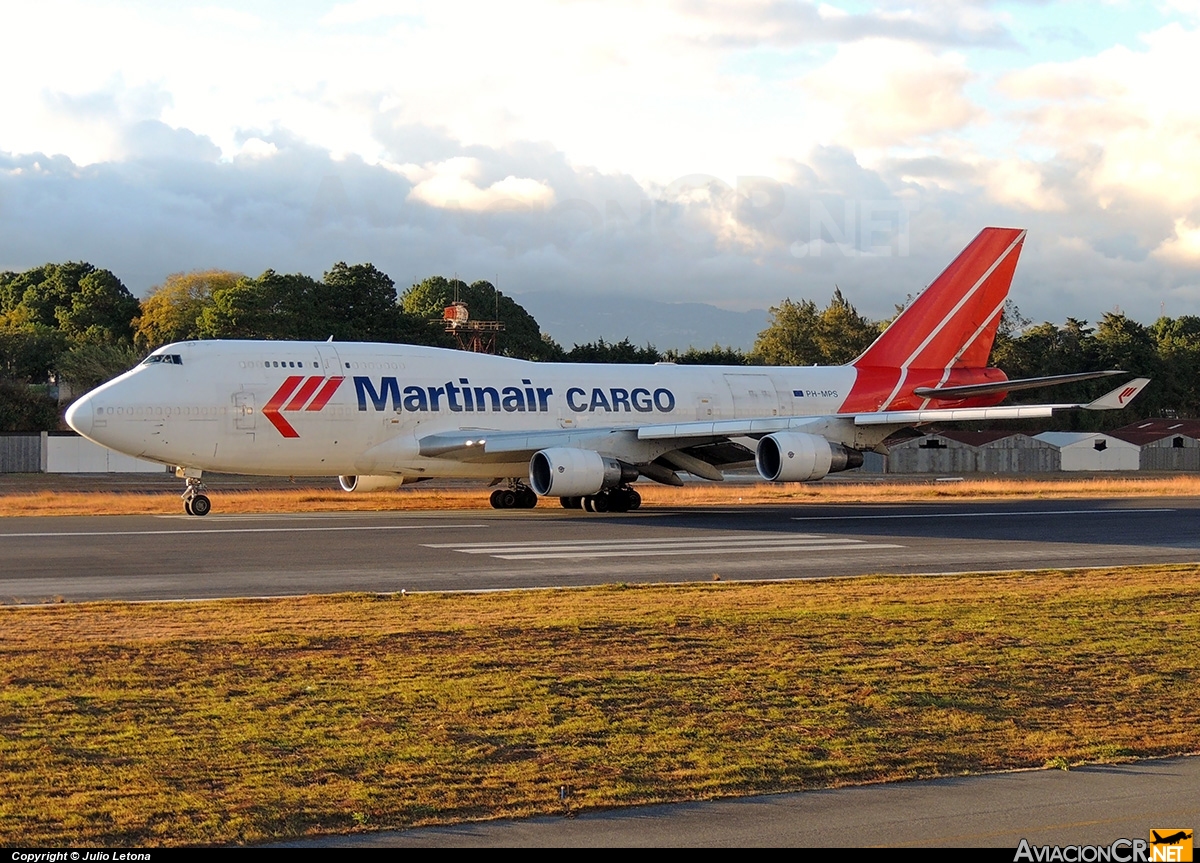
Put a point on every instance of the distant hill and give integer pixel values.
(573, 319)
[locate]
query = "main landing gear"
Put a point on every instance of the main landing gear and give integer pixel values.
(621, 499)
(195, 501)
(516, 496)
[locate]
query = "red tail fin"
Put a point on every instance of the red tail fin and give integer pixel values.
(949, 327)
(953, 322)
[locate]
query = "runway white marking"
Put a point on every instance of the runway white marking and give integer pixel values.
(198, 532)
(659, 546)
(977, 514)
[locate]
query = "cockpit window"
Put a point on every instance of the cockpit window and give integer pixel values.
(175, 359)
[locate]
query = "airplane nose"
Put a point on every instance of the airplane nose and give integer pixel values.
(79, 416)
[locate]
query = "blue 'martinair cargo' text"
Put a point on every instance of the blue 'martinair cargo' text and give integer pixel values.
(462, 397)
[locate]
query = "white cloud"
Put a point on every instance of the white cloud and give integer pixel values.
(1136, 107)
(362, 11)
(1020, 184)
(257, 148)
(598, 146)
(225, 17)
(883, 93)
(1183, 247)
(452, 185)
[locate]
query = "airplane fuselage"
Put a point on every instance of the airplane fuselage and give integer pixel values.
(322, 408)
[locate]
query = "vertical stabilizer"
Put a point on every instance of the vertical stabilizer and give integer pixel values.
(953, 323)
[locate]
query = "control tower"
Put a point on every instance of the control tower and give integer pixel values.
(477, 336)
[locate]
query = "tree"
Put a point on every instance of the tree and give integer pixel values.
(171, 313)
(843, 333)
(86, 303)
(714, 356)
(10, 293)
(273, 306)
(1177, 343)
(361, 304)
(87, 366)
(26, 409)
(793, 336)
(799, 335)
(623, 351)
(28, 351)
(351, 303)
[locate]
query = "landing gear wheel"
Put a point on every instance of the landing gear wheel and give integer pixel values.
(571, 502)
(596, 502)
(635, 500)
(195, 502)
(517, 497)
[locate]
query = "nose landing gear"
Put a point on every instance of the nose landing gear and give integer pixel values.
(195, 501)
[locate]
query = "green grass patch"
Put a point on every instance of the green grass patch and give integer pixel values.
(247, 720)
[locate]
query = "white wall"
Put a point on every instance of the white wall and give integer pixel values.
(80, 455)
(1079, 451)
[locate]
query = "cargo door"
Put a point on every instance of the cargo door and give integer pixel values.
(753, 396)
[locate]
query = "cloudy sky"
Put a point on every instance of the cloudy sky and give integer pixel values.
(725, 152)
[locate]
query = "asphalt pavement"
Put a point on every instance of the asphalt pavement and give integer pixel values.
(182, 557)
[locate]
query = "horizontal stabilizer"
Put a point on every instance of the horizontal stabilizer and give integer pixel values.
(1118, 398)
(969, 390)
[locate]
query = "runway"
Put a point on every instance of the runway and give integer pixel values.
(180, 557)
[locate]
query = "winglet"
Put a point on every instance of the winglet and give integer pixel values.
(1118, 398)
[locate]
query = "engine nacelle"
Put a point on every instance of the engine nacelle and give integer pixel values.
(373, 483)
(799, 457)
(569, 472)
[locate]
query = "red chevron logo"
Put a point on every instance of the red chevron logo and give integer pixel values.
(1128, 392)
(292, 396)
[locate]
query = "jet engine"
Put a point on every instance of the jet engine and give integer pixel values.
(570, 472)
(799, 457)
(373, 483)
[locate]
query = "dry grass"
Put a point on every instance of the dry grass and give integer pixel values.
(246, 720)
(694, 494)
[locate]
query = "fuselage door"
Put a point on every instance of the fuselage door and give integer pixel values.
(753, 396)
(243, 411)
(331, 365)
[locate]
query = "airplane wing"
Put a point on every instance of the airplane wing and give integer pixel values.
(483, 445)
(706, 448)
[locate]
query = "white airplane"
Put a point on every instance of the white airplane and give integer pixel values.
(381, 415)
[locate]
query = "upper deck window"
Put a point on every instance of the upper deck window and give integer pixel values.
(174, 359)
